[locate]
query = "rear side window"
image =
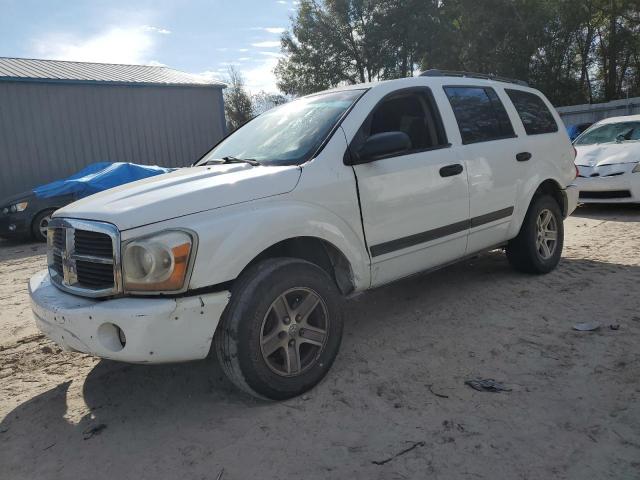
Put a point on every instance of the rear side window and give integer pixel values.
(533, 112)
(480, 114)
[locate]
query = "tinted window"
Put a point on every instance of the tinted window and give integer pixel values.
(534, 114)
(413, 113)
(480, 114)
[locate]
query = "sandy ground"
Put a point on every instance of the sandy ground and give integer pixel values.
(394, 406)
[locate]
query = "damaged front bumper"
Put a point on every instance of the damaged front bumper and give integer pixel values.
(136, 330)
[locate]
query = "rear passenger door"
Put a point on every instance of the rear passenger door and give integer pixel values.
(415, 205)
(489, 150)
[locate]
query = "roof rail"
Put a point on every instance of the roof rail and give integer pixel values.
(452, 73)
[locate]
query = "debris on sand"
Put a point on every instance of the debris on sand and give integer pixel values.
(441, 395)
(95, 430)
(487, 385)
(406, 450)
(586, 327)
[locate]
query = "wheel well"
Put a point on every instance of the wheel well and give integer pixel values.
(551, 187)
(316, 251)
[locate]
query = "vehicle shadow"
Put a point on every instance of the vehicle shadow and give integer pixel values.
(172, 415)
(19, 249)
(622, 212)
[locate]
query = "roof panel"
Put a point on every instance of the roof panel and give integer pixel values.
(61, 70)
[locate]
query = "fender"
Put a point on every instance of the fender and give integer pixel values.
(229, 240)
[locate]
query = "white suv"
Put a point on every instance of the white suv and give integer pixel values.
(250, 251)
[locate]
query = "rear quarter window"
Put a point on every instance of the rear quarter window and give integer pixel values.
(536, 117)
(480, 114)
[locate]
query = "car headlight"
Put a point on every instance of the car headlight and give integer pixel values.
(16, 207)
(636, 169)
(158, 263)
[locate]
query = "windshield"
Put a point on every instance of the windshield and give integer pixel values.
(288, 134)
(610, 132)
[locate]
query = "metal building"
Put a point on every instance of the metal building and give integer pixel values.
(57, 117)
(576, 114)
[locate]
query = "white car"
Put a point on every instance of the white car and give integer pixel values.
(608, 161)
(250, 252)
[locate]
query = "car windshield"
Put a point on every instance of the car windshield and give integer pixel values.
(286, 135)
(610, 132)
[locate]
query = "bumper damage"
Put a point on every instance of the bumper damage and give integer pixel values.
(136, 330)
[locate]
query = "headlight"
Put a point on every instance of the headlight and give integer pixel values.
(158, 263)
(16, 207)
(636, 169)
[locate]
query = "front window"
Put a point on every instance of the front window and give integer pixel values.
(610, 132)
(289, 134)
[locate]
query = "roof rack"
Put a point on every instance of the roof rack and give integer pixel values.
(452, 73)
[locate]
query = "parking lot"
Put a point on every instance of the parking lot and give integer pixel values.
(394, 405)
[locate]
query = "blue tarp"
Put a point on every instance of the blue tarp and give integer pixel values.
(98, 177)
(573, 131)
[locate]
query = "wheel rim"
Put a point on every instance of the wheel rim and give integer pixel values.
(546, 234)
(44, 224)
(294, 331)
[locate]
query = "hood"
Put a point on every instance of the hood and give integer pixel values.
(607, 154)
(6, 201)
(183, 192)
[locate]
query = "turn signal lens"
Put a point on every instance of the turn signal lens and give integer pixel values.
(158, 263)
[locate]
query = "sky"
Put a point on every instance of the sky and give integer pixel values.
(196, 36)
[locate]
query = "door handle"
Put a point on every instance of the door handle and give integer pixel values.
(523, 156)
(451, 170)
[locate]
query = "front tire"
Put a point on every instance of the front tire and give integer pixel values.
(282, 329)
(538, 246)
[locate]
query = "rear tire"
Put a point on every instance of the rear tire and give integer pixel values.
(39, 225)
(538, 246)
(281, 331)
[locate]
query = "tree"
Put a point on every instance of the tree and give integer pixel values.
(238, 108)
(575, 51)
(263, 101)
(335, 42)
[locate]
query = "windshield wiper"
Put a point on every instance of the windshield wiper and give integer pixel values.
(229, 159)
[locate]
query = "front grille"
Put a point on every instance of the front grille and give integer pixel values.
(57, 263)
(93, 243)
(83, 257)
(605, 195)
(59, 238)
(94, 275)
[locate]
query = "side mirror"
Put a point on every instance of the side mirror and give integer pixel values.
(381, 145)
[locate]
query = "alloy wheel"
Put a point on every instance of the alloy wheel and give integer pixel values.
(546, 234)
(294, 331)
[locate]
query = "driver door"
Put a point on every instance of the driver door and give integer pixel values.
(415, 205)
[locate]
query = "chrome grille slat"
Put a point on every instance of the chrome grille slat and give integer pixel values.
(84, 257)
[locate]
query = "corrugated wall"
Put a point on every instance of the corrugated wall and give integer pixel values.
(577, 114)
(49, 131)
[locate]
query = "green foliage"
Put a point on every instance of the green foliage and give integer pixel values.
(574, 50)
(238, 108)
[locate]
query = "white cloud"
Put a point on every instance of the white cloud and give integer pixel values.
(116, 44)
(275, 30)
(209, 75)
(272, 54)
(261, 77)
(160, 30)
(267, 44)
(281, 2)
